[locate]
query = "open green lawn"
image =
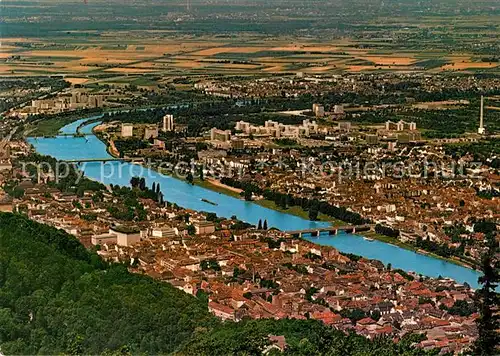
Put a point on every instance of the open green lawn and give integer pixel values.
(51, 127)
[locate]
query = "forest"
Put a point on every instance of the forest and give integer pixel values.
(56, 297)
(306, 337)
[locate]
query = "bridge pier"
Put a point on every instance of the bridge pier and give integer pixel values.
(314, 233)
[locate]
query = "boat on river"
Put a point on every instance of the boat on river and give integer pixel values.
(208, 201)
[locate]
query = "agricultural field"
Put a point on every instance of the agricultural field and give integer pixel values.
(192, 55)
(127, 43)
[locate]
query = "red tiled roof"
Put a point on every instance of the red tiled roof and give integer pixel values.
(385, 330)
(220, 307)
(366, 321)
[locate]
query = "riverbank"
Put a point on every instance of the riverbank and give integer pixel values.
(191, 197)
(219, 188)
(298, 212)
(406, 246)
(52, 126)
(235, 193)
(87, 122)
(110, 146)
(294, 210)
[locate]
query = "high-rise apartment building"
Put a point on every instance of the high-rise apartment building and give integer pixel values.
(168, 123)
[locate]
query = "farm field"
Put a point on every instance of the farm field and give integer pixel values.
(83, 59)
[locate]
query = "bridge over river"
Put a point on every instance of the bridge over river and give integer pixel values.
(62, 134)
(112, 159)
(191, 197)
(332, 230)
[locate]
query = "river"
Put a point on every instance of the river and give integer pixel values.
(190, 196)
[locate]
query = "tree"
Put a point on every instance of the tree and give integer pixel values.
(210, 264)
(202, 295)
(191, 229)
(387, 231)
(190, 178)
(375, 315)
(157, 188)
(211, 216)
(142, 183)
(75, 346)
(248, 195)
(462, 308)
(68, 323)
(283, 202)
(259, 226)
(134, 182)
(264, 226)
(486, 227)
(17, 193)
(353, 314)
(487, 301)
(153, 188)
(313, 214)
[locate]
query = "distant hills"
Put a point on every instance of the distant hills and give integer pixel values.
(83, 17)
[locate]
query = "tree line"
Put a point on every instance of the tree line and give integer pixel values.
(387, 231)
(314, 206)
(284, 201)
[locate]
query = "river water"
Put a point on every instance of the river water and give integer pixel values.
(190, 196)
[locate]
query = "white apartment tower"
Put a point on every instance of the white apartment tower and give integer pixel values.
(481, 130)
(127, 130)
(168, 123)
(338, 109)
(220, 135)
(318, 110)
